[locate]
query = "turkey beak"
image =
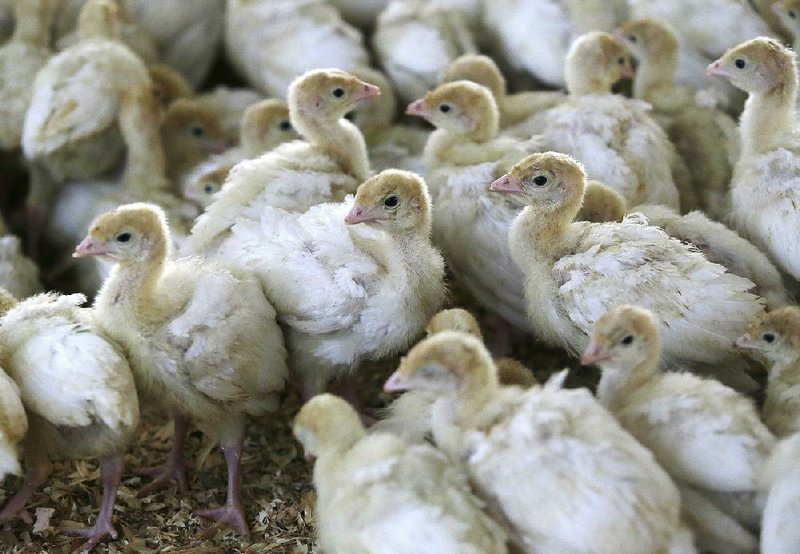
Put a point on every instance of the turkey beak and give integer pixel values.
(397, 382)
(88, 247)
(217, 146)
(507, 183)
(417, 108)
(367, 91)
(360, 214)
(594, 353)
(745, 342)
(628, 71)
(715, 69)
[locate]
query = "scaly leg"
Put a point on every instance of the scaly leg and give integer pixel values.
(175, 467)
(37, 471)
(232, 513)
(110, 475)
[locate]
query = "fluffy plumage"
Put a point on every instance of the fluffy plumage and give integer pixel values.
(256, 41)
(774, 339)
(416, 40)
(377, 493)
(575, 272)
(614, 137)
(521, 449)
(557, 24)
(781, 482)
(765, 189)
(230, 104)
(78, 390)
(704, 434)
(202, 338)
(327, 166)
(13, 426)
(19, 275)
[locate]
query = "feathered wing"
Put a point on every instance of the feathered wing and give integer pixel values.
(702, 308)
(19, 275)
(766, 197)
(50, 346)
(224, 308)
(315, 276)
(294, 176)
(13, 425)
(77, 94)
(703, 433)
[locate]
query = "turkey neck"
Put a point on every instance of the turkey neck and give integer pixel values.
(33, 22)
(616, 384)
(768, 118)
(341, 140)
(145, 166)
(133, 285)
(657, 72)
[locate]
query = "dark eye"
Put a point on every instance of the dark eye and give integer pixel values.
(391, 201)
(285, 125)
(791, 13)
(739, 63)
(350, 116)
(627, 340)
(768, 337)
(444, 108)
(540, 180)
(621, 61)
(209, 189)
(632, 38)
(198, 131)
(338, 92)
(123, 237)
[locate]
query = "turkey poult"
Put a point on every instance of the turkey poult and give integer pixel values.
(705, 137)
(409, 416)
(788, 12)
(201, 338)
(521, 447)
(765, 189)
(704, 434)
(272, 42)
(774, 340)
(265, 125)
(471, 225)
(326, 166)
(70, 130)
(377, 493)
(352, 281)
(614, 137)
(514, 108)
(229, 104)
(416, 40)
(19, 275)
(13, 425)
(780, 481)
(20, 59)
(78, 391)
(575, 272)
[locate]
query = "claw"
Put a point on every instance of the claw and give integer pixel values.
(164, 475)
(226, 516)
(96, 533)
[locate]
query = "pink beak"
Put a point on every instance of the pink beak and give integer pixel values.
(359, 214)
(594, 353)
(507, 183)
(218, 146)
(715, 69)
(396, 382)
(628, 72)
(745, 342)
(367, 91)
(417, 107)
(88, 247)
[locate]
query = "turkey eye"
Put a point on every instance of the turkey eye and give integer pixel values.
(444, 108)
(209, 189)
(621, 61)
(739, 63)
(632, 38)
(540, 181)
(198, 131)
(391, 201)
(338, 92)
(791, 14)
(627, 340)
(123, 237)
(285, 125)
(768, 337)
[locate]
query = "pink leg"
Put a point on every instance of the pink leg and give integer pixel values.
(232, 513)
(175, 467)
(110, 475)
(36, 474)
